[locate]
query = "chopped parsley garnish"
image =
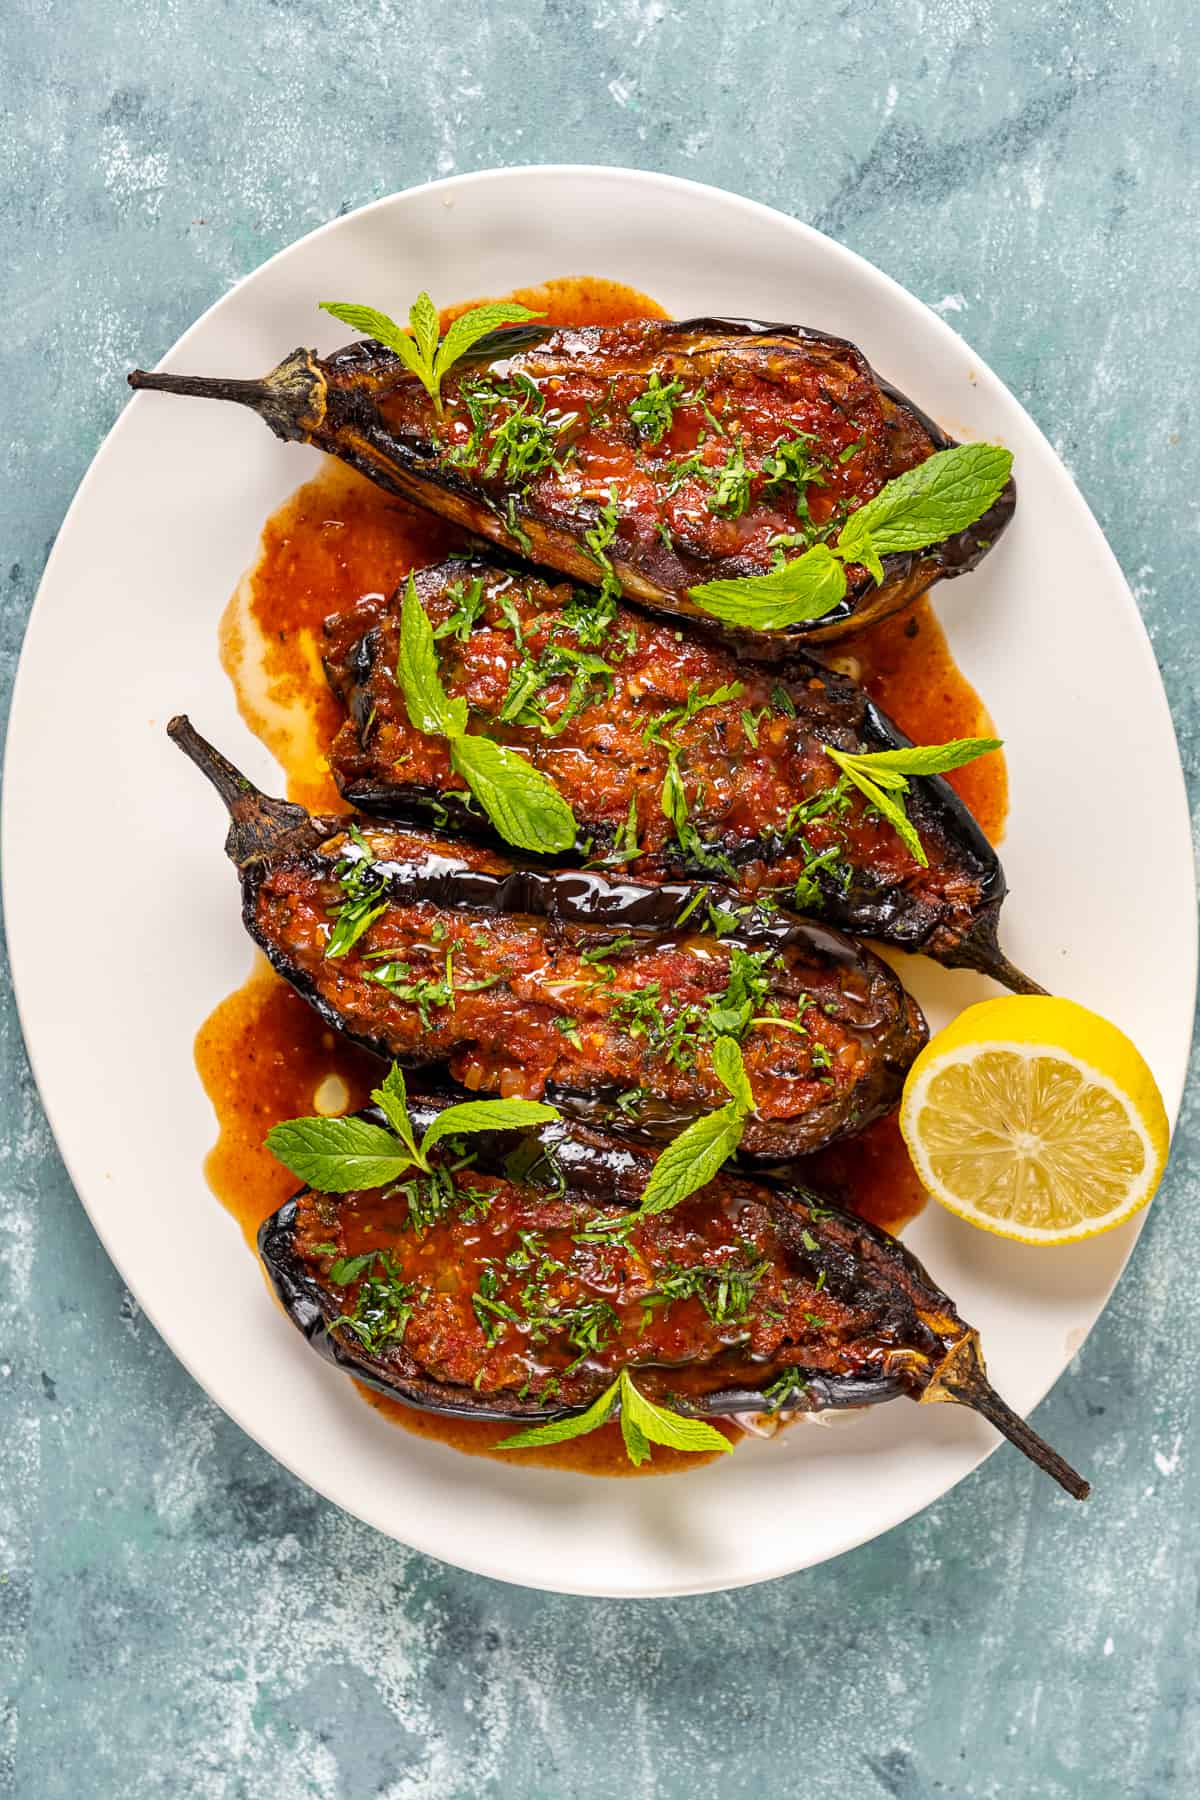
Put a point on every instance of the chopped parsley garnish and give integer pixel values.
(788, 1387)
(590, 616)
(384, 1303)
(656, 728)
(731, 496)
(523, 704)
(366, 896)
(790, 464)
(653, 409)
(724, 1290)
(586, 1325)
(468, 606)
(674, 802)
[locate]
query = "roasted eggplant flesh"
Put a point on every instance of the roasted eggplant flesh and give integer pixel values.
(656, 454)
(613, 706)
(500, 1290)
(564, 984)
(500, 1286)
(518, 1003)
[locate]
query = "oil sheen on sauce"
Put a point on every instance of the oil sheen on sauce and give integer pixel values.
(263, 1055)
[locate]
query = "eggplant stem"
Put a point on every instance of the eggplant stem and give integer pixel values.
(1009, 976)
(972, 1388)
(989, 959)
(291, 399)
(259, 826)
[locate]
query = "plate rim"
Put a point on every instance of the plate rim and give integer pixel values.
(862, 270)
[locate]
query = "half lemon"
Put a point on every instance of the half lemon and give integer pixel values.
(1036, 1119)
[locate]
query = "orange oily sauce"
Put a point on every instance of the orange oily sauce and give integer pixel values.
(264, 1055)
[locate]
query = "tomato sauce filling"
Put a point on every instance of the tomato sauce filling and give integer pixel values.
(612, 706)
(518, 1005)
(718, 449)
(482, 1283)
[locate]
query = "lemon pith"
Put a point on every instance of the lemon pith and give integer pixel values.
(1035, 1118)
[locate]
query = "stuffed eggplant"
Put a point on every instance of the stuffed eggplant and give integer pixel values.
(495, 1287)
(600, 996)
(613, 707)
(655, 455)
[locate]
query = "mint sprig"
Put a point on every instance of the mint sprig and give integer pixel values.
(526, 808)
(342, 1156)
(941, 496)
(881, 776)
(691, 1160)
(421, 353)
(642, 1423)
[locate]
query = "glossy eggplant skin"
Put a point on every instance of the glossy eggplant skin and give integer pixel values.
(754, 1297)
(847, 1316)
(753, 764)
(565, 984)
(676, 525)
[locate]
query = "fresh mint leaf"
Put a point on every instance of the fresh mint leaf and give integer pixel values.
(642, 1424)
(348, 1268)
(925, 759)
(652, 411)
(469, 327)
(559, 1430)
(637, 1444)
(383, 330)
(940, 496)
(806, 588)
(338, 1156)
(881, 776)
(731, 1072)
(887, 808)
(661, 1426)
(522, 804)
(420, 353)
(430, 708)
(691, 1160)
(426, 327)
(391, 1097)
(486, 1115)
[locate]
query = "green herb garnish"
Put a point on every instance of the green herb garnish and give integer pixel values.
(691, 1160)
(882, 777)
(674, 803)
(383, 1305)
(653, 409)
(366, 896)
(421, 353)
(642, 1424)
(724, 1290)
(522, 804)
(947, 492)
(342, 1156)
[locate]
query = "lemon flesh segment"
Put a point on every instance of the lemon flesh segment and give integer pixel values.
(1034, 1118)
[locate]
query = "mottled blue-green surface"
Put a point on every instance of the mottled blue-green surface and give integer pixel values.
(178, 1616)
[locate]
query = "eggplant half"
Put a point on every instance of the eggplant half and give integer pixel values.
(657, 454)
(600, 996)
(612, 706)
(495, 1288)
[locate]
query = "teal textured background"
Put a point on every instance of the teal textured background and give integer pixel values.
(179, 1617)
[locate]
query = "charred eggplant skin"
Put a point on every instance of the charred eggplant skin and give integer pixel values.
(361, 405)
(885, 1329)
(606, 758)
(831, 1078)
(855, 1259)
